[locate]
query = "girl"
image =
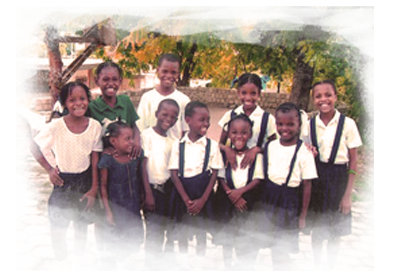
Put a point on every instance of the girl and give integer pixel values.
(336, 138)
(121, 191)
(249, 86)
(286, 166)
(75, 141)
(238, 197)
(194, 164)
(108, 108)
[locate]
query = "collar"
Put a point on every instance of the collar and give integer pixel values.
(102, 106)
(201, 141)
(258, 111)
(334, 120)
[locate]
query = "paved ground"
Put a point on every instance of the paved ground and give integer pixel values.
(34, 250)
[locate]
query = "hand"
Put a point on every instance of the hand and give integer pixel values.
(241, 205)
(150, 202)
(312, 149)
(345, 205)
(109, 218)
(234, 195)
(54, 177)
(231, 157)
(90, 196)
(195, 206)
(249, 157)
(136, 150)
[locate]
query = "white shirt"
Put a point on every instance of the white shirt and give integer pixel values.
(157, 149)
(326, 135)
(256, 117)
(148, 106)
(240, 176)
(194, 156)
(279, 160)
(72, 151)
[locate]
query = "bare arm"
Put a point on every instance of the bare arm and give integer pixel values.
(230, 154)
(307, 188)
(346, 202)
(104, 195)
(149, 198)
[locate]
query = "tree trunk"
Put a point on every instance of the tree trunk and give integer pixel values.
(189, 66)
(55, 59)
(302, 82)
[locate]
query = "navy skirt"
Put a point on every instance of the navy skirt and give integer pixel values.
(64, 203)
(194, 187)
(327, 193)
(279, 225)
(237, 229)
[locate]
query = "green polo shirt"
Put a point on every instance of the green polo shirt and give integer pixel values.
(123, 108)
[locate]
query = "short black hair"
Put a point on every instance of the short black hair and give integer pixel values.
(332, 83)
(288, 107)
(169, 57)
(242, 117)
(113, 130)
(189, 109)
(248, 78)
(68, 88)
(107, 64)
(168, 101)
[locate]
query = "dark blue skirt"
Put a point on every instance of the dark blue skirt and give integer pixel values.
(281, 207)
(327, 193)
(194, 187)
(64, 203)
(237, 229)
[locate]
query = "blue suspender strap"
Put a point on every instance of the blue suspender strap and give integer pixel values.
(181, 158)
(266, 160)
(313, 137)
(291, 167)
(337, 139)
(207, 154)
(262, 133)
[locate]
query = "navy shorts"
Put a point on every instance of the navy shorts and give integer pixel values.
(64, 204)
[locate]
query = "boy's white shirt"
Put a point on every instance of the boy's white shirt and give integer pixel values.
(256, 117)
(157, 149)
(194, 156)
(326, 135)
(279, 160)
(148, 106)
(240, 176)
(72, 151)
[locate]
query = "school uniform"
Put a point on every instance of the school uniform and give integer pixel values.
(72, 157)
(157, 150)
(124, 195)
(148, 106)
(194, 162)
(333, 143)
(285, 167)
(264, 125)
(239, 229)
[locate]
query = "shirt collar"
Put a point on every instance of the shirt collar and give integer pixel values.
(201, 141)
(335, 119)
(102, 106)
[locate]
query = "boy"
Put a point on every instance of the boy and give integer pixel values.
(157, 148)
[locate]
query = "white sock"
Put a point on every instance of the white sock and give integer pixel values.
(64, 265)
(199, 263)
(101, 254)
(184, 261)
(76, 262)
(120, 266)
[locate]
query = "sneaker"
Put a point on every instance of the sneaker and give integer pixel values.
(169, 261)
(100, 265)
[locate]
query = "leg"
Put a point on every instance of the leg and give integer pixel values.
(333, 251)
(317, 247)
(58, 240)
(201, 237)
(227, 251)
(281, 259)
(80, 237)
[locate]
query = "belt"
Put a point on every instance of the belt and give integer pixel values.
(159, 187)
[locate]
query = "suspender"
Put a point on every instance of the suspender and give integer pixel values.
(291, 167)
(228, 175)
(262, 133)
(182, 156)
(338, 136)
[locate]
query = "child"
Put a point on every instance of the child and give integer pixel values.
(168, 73)
(108, 108)
(75, 141)
(336, 138)
(286, 166)
(194, 164)
(248, 91)
(121, 192)
(157, 147)
(238, 197)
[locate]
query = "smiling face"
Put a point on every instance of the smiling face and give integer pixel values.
(288, 127)
(248, 95)
(168, 73)
(109, 81)
(123, 142)
(198, 123)
(239, 132)
(324, 98)
(77, 102)
(167, 115)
